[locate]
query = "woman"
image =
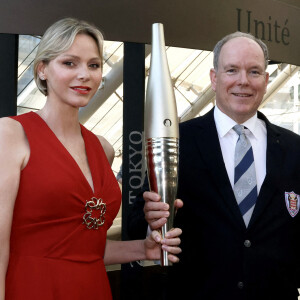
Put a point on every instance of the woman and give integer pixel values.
(58, 194)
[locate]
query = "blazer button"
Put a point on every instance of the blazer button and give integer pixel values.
(240, 285)
(247, 243)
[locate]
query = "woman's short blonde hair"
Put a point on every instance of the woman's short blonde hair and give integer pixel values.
(58, 38)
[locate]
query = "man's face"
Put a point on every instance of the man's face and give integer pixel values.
(240, 81)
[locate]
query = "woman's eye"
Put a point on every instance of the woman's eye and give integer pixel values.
(95, 66)
(68, 63)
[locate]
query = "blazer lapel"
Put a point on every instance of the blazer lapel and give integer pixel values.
(209, 146)
(274, 159)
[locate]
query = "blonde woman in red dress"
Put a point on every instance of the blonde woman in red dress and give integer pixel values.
(58, 193)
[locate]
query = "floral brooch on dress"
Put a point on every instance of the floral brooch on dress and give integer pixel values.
(95, 213)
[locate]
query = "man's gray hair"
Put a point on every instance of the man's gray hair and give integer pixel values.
(237, 34)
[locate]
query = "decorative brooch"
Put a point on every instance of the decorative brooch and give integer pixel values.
(90, 221)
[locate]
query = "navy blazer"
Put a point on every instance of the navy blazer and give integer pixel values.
(221, 258)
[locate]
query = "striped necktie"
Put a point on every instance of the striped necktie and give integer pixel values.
(245, 189)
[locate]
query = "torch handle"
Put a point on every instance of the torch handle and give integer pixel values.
(164, 261)
(162, 165)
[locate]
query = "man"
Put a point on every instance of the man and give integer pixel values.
(240, 221)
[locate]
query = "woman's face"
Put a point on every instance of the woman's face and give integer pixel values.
(74, 76)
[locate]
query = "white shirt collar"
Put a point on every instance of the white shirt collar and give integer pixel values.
(224, 123)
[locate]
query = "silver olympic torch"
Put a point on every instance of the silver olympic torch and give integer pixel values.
(161, 129)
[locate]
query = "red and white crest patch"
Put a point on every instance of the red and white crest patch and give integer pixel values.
(292, 203)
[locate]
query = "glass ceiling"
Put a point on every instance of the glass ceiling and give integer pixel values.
(190, 73)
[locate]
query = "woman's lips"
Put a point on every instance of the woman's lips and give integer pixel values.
(81, 89)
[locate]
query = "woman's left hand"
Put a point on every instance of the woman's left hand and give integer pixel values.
(154, 242)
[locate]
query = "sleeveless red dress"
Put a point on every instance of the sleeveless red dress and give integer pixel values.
(53, 253)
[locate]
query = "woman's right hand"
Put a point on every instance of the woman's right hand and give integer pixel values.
(154, 243)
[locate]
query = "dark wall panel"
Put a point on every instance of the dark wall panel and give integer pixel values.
(8, 74)
(195, 24)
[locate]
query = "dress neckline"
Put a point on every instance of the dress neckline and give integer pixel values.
(71, 158)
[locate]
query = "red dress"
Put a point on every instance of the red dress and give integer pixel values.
(53, 253)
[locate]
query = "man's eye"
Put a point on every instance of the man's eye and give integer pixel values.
(231, 71)
(255, 73)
